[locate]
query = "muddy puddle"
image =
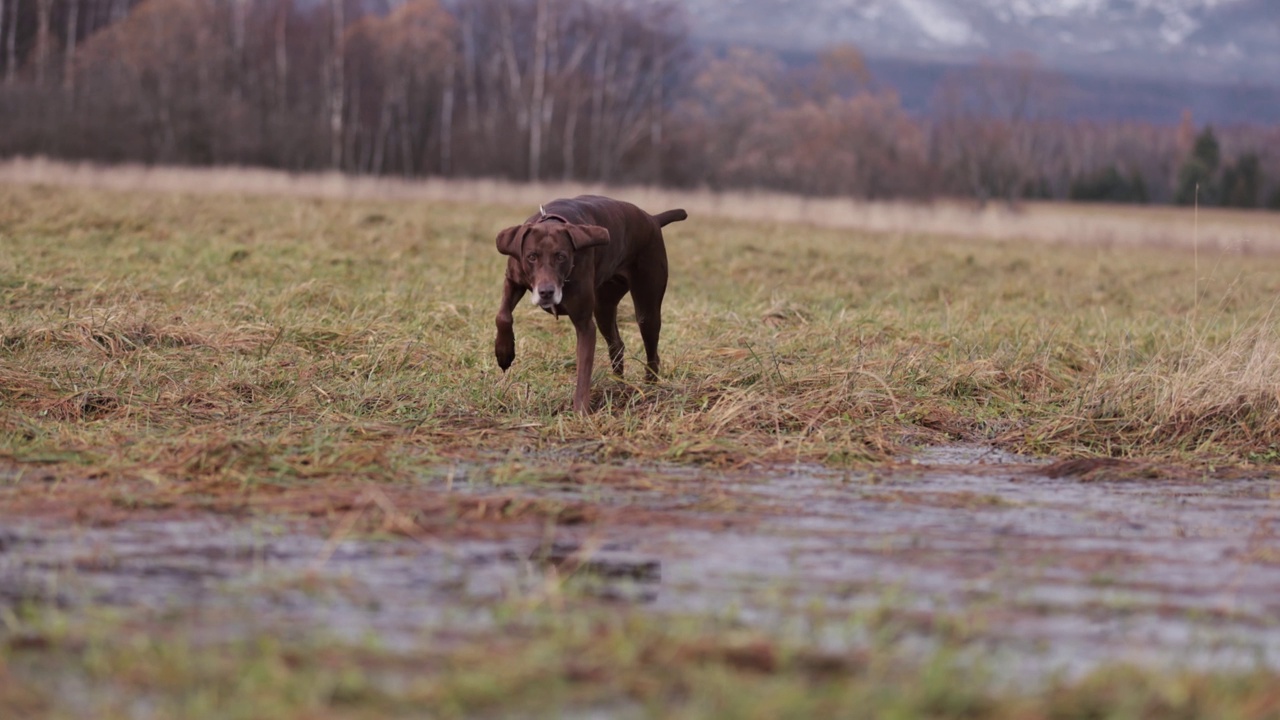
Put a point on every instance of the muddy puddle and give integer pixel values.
(1032, 572)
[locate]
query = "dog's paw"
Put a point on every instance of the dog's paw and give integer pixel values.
(505, 352)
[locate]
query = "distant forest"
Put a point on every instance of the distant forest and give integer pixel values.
(568, 90)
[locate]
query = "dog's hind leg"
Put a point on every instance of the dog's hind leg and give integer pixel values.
(647, 291)
(607, 298)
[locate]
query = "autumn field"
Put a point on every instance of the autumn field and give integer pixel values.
(240, 411)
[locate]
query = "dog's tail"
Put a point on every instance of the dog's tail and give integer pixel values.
(670, 216)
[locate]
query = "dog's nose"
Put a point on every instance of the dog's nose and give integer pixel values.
(546, 293)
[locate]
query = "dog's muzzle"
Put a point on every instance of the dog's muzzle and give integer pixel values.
(547, 296)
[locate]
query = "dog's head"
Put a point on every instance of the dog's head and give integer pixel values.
(546, 251)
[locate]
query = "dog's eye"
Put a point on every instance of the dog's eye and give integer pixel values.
(533, 257)
(561, 257)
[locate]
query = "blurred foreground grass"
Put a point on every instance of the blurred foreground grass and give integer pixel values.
(558, 657)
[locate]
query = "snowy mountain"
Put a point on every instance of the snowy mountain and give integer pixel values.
(1222, 41)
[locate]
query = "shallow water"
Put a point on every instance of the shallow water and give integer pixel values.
(1041, 575)
(1051, 573)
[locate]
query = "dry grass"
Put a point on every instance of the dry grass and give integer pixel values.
(275, 338)
(1199, 398)
(289, 354)
(1236, 231)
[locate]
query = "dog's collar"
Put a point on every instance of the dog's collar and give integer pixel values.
(544, 216)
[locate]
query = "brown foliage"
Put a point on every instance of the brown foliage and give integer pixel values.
(540, 89)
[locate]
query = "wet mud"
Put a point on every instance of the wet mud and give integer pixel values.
(1027, 565)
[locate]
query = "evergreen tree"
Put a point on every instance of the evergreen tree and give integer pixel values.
(1138, 189)
(1108, 185)
(1242, 182)
(1198, 170)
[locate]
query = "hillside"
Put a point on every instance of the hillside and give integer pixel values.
(1141, 59)
(1226, 41)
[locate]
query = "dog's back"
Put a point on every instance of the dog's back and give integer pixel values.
(633, 230)
(606, 212)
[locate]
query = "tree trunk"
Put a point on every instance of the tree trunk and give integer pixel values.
(11, 66)
(353, 153)
(469, 62)
(570, 130)
(536, 102)
(239, 9)
(595, 157)
(446, 120)
(628, 126)
(69, 65)
(380, 140)
(515, 81)
(283, 9)
(656, 113)
(406, 137)
(44, 8)
(337, 84)
(567, 89)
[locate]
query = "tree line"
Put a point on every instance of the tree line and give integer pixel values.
(566, 90)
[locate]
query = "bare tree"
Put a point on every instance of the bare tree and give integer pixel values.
(11, 44)
(336, 85)
(239, 12)
(991, 126)
(575, 89)
(731, 96)
(69, 47)
(281, 55)
(538, 94)
(44, 8)
(400, 67)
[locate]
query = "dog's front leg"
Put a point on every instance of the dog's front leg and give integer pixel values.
(504, 347)
(586, 328)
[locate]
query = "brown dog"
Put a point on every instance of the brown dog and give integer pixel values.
(579, 257)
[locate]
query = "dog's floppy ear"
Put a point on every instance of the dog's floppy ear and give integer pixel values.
(511, 240)
(585, 236)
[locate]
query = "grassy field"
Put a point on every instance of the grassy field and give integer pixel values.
(190, 352)
(275, 338)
